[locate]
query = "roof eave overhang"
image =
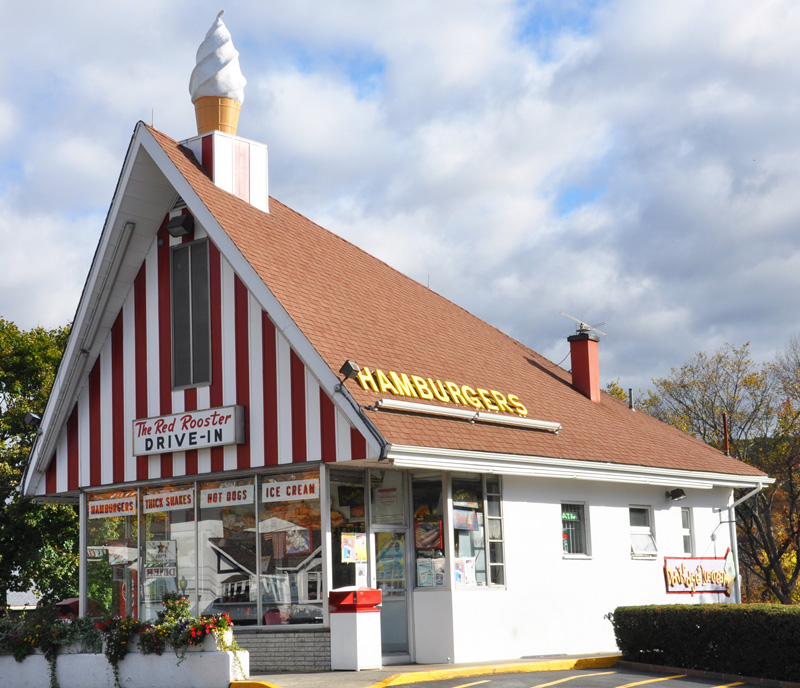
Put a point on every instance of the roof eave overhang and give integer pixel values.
(565, 469)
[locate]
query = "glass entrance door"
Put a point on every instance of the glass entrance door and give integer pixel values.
(391, 578)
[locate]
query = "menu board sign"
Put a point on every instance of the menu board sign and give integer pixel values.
(107, 508)
(167, 501)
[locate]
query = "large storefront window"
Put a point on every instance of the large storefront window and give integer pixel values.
(111, 553)
(290, 548)
(227, 558)
(168, 545)
(477, 530)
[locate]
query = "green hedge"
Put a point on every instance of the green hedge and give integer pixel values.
(757, 640)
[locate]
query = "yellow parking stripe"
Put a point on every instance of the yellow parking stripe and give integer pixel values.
(652, 680)
(729, 685)
(572, 678)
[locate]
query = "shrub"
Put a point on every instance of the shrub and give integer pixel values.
(747, 640)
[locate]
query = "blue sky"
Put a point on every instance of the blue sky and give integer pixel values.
(626, 162)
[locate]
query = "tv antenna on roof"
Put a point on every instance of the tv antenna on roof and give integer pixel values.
(583, 326)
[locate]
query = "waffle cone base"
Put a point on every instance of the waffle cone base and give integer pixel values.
(217, 114)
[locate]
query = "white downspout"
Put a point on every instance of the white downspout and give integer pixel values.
(737, 589)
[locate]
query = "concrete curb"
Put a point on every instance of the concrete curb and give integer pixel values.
(712, 675)
(410, 677)
(495, 669)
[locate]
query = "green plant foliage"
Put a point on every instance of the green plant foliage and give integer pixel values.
(745, 640)
(38, 542)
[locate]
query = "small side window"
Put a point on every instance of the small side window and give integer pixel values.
(573, 529)
(643, 544)
(686, 529)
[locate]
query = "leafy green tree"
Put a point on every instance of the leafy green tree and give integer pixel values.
(762, 405)
(38, 542)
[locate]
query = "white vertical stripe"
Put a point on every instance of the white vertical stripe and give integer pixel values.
(106, 426)
(151, 274)
(154, 466)
(61, 463)
(313, 424)
(129, 383)
(204, 461)
(259, 188)
(284, 399)
(83, 435)
(223, 162)
(228, 349)
(343, 450)
(255, 429)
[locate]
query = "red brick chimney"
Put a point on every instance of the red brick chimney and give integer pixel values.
(585, 363)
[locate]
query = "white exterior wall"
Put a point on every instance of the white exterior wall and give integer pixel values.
(555, 604)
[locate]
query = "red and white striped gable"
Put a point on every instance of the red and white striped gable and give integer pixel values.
(289, 418)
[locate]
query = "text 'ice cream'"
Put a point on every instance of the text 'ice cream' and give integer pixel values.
(217, 84)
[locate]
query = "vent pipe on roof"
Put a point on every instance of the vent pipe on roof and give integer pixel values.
(585, 363)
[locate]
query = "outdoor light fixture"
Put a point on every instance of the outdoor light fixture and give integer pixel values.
(33, 419)
(676, 495)
(349, 370)
(180, 225)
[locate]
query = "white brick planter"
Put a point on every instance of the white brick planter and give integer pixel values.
(197, 670)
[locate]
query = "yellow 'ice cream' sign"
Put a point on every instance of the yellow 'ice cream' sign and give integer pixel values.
(405, 385)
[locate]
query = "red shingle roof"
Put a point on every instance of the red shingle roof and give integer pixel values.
(351, 305)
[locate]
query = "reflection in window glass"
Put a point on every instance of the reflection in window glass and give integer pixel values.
(169, 545)
(227, 549)
(291, 548)
(111, 553)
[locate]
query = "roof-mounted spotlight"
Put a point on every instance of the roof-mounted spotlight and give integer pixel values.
(676, 495)
(180, 225)
(33, 419)
(349, 370)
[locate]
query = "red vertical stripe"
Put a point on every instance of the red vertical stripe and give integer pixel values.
(241, 170)
(215, 391)
(327, 419)
(207, 155)
(95, 426)
(140, 356)
(190, 404)
(50, 480)
(298, 385)
(118, 400)
(164, 339)
(270, 376)
(242, 365)
(358, 445)
(72, 450)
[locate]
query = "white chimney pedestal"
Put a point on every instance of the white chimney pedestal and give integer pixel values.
(235, 164)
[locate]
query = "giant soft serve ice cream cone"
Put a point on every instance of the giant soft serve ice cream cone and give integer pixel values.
(217, 84)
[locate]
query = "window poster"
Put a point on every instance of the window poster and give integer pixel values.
(161, 553)
(428, 534)
(465, 519)
(354, 547)
(465, 571)
(425, 577)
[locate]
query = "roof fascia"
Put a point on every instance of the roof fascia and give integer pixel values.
(252, 280)
(404, 456)
(83, 342)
